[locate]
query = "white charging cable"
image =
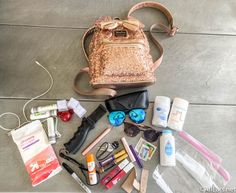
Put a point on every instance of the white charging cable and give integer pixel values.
(27, 120)
(13, 114)
(45, 92)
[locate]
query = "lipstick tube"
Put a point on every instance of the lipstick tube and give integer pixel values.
(114, 172)
(119, 176)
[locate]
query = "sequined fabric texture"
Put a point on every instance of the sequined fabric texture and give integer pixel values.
(119, 54)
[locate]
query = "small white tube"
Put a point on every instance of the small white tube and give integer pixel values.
(51, 130)
(44, 108)
(43, 115)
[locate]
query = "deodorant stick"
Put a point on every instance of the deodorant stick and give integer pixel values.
(177, 114)
(160, 111)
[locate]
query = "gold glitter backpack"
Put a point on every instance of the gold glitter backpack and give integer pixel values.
(119, 53)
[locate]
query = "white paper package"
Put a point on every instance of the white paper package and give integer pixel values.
(37, 153)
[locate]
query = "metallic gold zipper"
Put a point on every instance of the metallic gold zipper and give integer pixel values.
(123, 43)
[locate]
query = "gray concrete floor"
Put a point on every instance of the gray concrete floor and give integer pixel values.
(199, 65)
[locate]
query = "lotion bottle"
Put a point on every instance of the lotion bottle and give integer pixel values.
(167, 149)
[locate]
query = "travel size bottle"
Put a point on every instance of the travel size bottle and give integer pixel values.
(167, 149)
(91, 170)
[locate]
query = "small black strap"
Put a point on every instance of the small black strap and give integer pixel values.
(81, 167)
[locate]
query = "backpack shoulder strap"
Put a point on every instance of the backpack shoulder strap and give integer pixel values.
(87, 33)
(94, 92)
(170, 29)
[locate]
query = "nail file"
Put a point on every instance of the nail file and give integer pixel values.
(144, 181)
(96, 141)
(126, 145)
(128, 184)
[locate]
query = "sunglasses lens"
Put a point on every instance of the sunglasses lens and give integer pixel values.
(131, 130)
(116, 118)
(137, 115)
(151, 135)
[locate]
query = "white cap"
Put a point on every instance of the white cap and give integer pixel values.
(162, 99)
(181, 101)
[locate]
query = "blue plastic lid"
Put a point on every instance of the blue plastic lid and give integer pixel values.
(167, 131)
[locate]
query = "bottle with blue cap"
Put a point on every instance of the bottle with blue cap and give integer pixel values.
(167, 149)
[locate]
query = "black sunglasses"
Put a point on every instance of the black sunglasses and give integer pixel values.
(149, 133)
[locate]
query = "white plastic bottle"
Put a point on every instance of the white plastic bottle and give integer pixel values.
(44, 108)
(43, 115)
(167, 149)
(177, 114)
(51, 130)
(161, 111)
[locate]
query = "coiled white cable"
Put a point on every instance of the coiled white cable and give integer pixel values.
(13, 114)
(24, 107)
